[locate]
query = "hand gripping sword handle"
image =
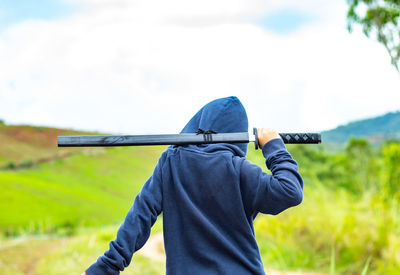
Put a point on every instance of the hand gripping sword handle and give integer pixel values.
(293, 138)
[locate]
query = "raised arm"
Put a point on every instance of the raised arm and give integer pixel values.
(271, 194)
(135, 230)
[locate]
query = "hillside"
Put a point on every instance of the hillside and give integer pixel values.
(347, 203)
(45, 188)
(376, 129)
(25, 145)
(88, 188)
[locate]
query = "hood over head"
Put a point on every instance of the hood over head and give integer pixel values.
(224, 115)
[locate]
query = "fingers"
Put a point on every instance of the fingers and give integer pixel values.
(265, 135)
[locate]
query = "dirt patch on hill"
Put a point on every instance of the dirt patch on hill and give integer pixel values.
(154, 248)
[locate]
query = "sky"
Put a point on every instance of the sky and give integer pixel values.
(140, 67)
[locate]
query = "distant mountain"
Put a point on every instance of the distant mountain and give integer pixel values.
(375, 129)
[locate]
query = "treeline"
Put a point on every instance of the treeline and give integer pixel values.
(360, 168)
(349, 218)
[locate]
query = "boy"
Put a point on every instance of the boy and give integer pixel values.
(209, 195)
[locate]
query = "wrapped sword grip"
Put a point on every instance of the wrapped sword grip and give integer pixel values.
(293, 138)
(301, 138)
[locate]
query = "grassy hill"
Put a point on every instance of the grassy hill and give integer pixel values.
(23, 145)
(89, 188)
(376, 129)
(47, 189)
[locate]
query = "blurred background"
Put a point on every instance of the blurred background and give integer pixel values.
(70, 67)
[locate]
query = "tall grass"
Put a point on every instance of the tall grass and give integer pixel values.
(332, 232)
(71, 255)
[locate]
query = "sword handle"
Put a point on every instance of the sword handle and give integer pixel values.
(301, 138)
(293, 138)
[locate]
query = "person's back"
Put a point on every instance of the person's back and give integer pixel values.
(209, 196)
(206, 228)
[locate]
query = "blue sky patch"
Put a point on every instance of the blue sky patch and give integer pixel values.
(284, 21)
(15, 11)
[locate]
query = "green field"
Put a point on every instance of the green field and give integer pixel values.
(57, 217)
(92, 188)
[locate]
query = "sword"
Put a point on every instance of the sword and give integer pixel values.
(201, 137)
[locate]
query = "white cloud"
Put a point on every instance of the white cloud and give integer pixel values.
(146, 67)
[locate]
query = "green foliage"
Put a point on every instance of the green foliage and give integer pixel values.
(380, 18)
(346, 207)
(2, 122)
(10, 165)
(332, 269)
(360, 163)
(365, 269)
(357, 228)
(26, 163)
(391, 154)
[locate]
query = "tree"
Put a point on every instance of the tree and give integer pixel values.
(380, 18)
(359, 153)
(391, 153)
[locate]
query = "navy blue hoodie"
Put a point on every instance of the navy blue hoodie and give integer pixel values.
(209, 196)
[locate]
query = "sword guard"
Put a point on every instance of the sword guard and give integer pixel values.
(256, 144)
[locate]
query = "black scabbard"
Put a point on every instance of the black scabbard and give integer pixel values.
(179, 139)
(137, 140)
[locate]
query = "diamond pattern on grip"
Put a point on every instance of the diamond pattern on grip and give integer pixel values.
(301, 138)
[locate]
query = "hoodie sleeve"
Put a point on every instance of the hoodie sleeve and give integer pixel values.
(135, 229)
(272, 194)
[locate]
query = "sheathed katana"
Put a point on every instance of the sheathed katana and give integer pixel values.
(201, 137)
